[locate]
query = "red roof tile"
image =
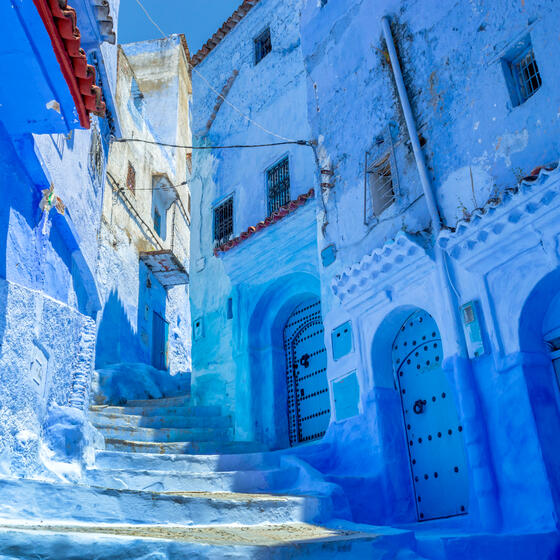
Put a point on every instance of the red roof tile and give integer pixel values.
(232, 21)
(61, 25)
(281, 213)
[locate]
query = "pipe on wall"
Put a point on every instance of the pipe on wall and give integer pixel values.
(476, 439)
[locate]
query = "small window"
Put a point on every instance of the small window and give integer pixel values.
(263, 45)
(223, 221)
(278, 185)
(380, 181)
(157, 221)
(521, 71)
(131, 178)
(189, 202)
(96, 157)
(189, 163)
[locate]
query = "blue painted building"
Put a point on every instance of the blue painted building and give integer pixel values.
(423, 264)
(56, 117)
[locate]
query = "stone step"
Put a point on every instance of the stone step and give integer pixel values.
(163, 435)
(190, 410)
(186, 464)
(37, 500)
(255, 481)
(192, 447)
(287, 541)
(177, 401)
(102, 418)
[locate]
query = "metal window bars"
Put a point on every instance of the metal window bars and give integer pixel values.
(223, 221)
(131, 178)
(96, 156)
(278, 185)
(263, 45)
(528, 75)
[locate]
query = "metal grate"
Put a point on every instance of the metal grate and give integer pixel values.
(263, 45)
(95, 157)
(223, 221)
(380, 178)
(131, 178)
(278, 186)
(528, 75)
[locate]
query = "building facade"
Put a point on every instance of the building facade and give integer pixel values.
(254, 232)
(145, 230)
(423, 258)
(56, 119)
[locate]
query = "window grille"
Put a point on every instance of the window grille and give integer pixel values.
(157, 221)
(189, 203)
(137, 96)
(263, 45)
(131, 178)
(223, 221)
(380, 180)
(278, 185)
(527, 73)
(96, 157)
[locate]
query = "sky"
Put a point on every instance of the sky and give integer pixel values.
(197, 19)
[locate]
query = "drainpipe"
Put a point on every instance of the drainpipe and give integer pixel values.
(484, 487)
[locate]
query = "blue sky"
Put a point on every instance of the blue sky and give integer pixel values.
(197, 19)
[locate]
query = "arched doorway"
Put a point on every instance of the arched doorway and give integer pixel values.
(306, 372)
(434, 435)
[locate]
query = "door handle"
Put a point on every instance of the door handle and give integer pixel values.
(419, 406)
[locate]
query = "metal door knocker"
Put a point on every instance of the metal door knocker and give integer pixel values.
(419, 406)
(304, 361)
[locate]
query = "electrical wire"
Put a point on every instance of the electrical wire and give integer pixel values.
(212, 88)
(167, 145)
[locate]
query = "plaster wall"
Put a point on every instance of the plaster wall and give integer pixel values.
(271, 94)
(130, 292)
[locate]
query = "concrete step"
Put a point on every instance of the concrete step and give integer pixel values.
(187, 410)
(165, 481)
(186, 464)
(287, 541)
(163, 435)
(36, 500)
(193, 447)
(177, 401)
(102, 418)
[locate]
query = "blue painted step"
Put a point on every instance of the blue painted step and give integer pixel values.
(195, 447)
(163, 435)
(155, 410)
(107, 419)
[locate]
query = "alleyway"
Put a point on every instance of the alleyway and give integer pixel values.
(294, 293)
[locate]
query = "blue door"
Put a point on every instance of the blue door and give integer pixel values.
(434, 434)
(309, 407)
(160, 330)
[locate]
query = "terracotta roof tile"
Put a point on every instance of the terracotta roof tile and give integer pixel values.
(227, 26)
(61, 24)
(281, 213)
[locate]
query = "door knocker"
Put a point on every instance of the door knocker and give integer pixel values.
(304, 361)
(419, 406)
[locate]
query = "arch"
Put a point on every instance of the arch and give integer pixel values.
(536, 321)
(267, 362)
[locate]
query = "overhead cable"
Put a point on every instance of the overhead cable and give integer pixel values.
(168, 145)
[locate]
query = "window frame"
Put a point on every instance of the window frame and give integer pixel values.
(382, 150)
(278, 162)
(258, 55)
(230, 198)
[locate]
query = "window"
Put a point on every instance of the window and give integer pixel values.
(521, 71)
(157, 221)
(263, 45)
(95, 164)
(380, 180)
(131, 178)
(278, 185)
(223, 221)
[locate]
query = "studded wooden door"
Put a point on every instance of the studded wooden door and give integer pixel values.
(434, 435)
(306, 360)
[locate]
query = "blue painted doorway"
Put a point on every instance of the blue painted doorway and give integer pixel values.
(160, 332)
(434, 434)
(309, 407)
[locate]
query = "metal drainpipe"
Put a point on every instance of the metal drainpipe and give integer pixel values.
(476, 439)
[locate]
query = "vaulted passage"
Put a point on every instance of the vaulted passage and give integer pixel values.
(434, 435)
(306, 362)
